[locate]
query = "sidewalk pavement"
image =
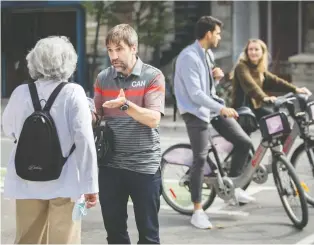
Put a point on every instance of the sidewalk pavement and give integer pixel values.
(168, 123)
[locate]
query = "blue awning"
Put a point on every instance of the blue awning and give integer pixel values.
(38, 4)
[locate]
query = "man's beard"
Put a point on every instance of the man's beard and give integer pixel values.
(211, 45)
(120, 65)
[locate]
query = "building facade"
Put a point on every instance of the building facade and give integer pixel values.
(287, 27)
(23, 23)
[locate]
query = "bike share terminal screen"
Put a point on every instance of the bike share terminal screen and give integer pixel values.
(274, 125)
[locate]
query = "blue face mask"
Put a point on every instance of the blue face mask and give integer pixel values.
(79, 210)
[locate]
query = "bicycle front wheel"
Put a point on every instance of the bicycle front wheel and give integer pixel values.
(175, 176)
(302, 160)
(290, 192)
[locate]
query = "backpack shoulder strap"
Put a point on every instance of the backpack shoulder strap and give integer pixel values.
(71, 151)
(34, 96)
(53, 96)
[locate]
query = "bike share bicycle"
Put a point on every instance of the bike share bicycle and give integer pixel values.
(300, 110)
(273, 128)
(303, 118)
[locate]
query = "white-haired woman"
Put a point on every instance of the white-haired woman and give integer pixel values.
(44, 208)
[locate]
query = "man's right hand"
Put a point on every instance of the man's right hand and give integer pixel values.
(271, 99)
(91, 200)
(228, 112)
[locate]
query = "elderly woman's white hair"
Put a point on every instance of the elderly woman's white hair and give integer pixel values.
(52, 58)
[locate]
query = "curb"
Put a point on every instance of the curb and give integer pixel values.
(172, 125)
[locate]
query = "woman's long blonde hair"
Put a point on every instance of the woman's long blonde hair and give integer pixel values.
(262, 65)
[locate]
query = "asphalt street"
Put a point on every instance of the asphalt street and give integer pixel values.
(264, 221)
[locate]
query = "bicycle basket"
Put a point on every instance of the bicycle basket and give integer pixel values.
(247, 120)
(274, 126)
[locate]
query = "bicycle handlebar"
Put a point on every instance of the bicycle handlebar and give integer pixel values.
(283, 100)
(287, 101)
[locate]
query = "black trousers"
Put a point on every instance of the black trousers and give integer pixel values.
(199, 138)
(115, 187)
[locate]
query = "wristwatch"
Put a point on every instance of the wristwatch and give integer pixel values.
(125, 106)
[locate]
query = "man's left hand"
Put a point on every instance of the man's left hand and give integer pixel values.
(116, 103)
(218, 73)
(303, 90)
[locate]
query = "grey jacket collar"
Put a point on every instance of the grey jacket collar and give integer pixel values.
(199, 49)
(201, 52)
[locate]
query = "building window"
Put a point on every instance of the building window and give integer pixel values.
(308, 31)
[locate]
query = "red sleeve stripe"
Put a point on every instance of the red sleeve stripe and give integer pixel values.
(155, 88)
(141, 92)
(97, 90)
(115, 93)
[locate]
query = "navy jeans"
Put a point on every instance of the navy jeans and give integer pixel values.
(115, 187)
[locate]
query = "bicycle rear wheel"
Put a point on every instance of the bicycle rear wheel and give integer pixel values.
(301, 161)
(175, 169)
(290, 189)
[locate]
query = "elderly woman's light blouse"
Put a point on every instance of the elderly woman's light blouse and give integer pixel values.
(52, 61)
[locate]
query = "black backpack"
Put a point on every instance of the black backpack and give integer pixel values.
(38, 155)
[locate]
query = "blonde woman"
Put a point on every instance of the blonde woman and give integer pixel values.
(251, 80)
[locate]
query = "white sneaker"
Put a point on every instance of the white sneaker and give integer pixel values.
(240, 196)
(200, 220)
(243, 197)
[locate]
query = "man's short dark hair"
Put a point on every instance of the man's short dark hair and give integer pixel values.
(205, 24)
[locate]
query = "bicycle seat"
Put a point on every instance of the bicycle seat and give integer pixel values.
(247, 119)
(245, 111)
